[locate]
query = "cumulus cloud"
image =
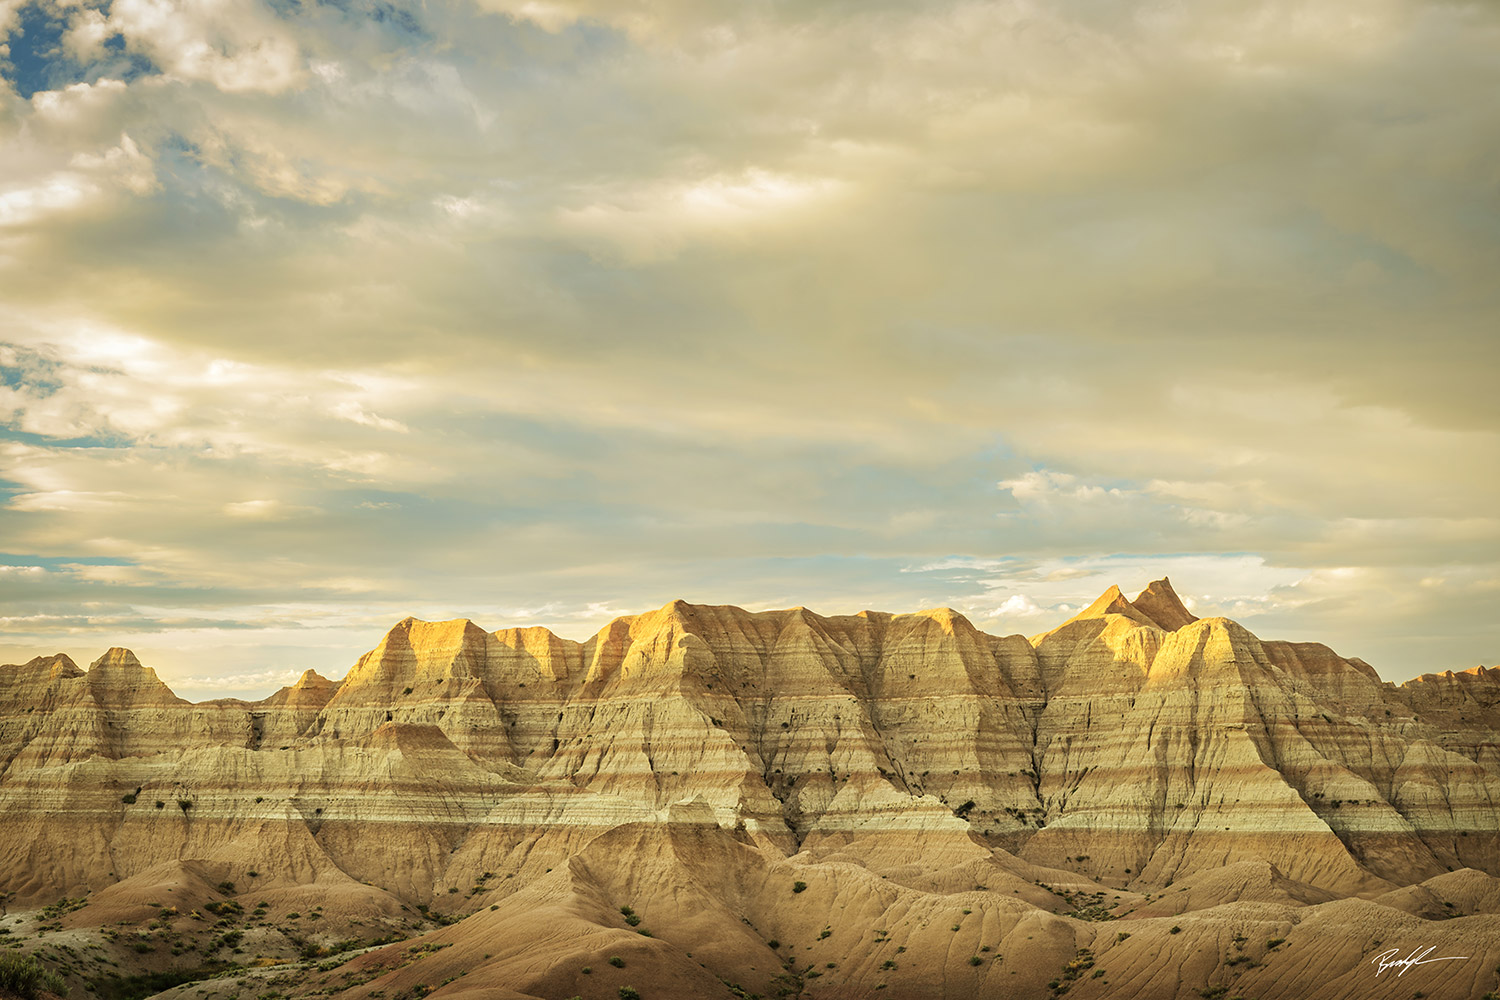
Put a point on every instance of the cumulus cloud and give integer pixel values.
(326, 314)
(235, 46)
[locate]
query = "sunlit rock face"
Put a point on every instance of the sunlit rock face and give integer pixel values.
(884, 760)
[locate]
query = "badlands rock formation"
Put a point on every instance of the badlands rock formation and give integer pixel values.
(1137, 803)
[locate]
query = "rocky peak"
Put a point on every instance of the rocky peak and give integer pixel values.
(1111, 602)
(311, 689)
(56, 666)
(119, 680)
(950, 621)
(116, 658)
(1160, 603)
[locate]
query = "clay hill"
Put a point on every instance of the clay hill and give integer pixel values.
(708, 802)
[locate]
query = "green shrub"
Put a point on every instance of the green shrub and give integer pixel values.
(25, 976)
(799, 886)
(629, 993)
(1175, 930)
(160, 804)
(976, 960)
(617, 961)
(184, 804)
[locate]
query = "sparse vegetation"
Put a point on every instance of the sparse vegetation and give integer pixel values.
(799, 886)
(617, 961)
(629, 993)
(148, 984)
(26, 977)
(229, 939)
(1175, 930)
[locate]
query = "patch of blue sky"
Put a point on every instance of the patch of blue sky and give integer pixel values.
(34, 374)
(57, 562)
(399, 20)
(82, 441)
(39, 62)
(36, 53)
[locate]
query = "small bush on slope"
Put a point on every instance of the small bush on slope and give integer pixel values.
(26, 976)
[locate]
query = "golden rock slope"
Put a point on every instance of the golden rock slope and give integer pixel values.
(1132, 804)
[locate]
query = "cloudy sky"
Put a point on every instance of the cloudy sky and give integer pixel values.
(315, 315)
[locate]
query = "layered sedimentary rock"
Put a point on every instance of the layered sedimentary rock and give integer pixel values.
(887, 761)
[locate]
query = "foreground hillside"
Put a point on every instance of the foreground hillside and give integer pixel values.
(704, 801)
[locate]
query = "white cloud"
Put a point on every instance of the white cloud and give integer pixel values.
(235, 46)
(266, 510)
(1019, 605)
(661, 220)
(354, 413)
(69, 500)
(89, 182)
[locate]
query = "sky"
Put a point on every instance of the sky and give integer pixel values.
(314, 315)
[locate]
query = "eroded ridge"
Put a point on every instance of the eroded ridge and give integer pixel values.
(696, 764)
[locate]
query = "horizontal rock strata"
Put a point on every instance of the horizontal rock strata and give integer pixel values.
(1133, 748)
